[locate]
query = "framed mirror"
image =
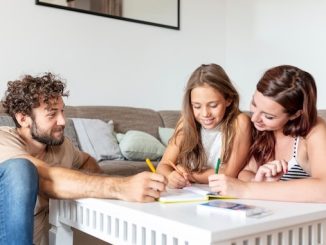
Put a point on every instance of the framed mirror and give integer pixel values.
(162, 13)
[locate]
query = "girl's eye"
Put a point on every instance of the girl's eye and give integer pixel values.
(196, 107)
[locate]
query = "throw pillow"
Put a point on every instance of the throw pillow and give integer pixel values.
(165, 134)
(7, 121)
(137, 146)
(97, 138)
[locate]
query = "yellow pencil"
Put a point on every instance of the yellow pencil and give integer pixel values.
(150, 165)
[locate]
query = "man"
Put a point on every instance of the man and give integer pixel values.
(37, 108)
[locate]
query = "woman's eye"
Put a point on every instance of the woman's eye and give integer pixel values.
(269, 117)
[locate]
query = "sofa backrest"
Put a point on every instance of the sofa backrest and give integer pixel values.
(127, 118)
(124, 118)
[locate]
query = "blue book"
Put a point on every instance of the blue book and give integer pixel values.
(227, 207)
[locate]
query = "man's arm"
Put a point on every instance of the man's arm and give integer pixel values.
(64, 183)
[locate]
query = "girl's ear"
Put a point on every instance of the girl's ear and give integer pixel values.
(23, 120)
(296, 115)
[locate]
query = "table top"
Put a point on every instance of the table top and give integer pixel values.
(220, 226)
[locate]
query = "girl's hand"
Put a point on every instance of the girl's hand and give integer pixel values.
(177, 180)
(226, 186)
(271, 171)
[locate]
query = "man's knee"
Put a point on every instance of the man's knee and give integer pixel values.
(21, 172)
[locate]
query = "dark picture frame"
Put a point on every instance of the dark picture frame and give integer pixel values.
(115, 9)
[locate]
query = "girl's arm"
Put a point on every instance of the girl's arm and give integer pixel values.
(175, 179)
(240, 149)
(249, 171)
(202, 178)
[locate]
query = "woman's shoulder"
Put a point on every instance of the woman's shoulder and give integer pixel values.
(318, 130)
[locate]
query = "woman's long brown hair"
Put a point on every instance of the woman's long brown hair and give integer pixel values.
(295, 90)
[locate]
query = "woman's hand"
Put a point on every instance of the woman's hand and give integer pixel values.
(271, 171)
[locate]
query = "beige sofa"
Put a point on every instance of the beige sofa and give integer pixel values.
(124, 119)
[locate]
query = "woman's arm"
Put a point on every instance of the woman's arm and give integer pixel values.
(311, 189)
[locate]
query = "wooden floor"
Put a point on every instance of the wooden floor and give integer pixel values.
(81, 238)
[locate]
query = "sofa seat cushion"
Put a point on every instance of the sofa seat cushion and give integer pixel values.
(124, 167)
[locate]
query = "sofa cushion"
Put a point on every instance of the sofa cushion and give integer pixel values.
(6, 121)
(165, 134)
(170, 118)
(124, 118)
(137, 146)
(97, 138)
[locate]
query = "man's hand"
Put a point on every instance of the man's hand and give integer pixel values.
(142, 187)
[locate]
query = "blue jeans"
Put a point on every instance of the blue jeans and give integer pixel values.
(18, 192)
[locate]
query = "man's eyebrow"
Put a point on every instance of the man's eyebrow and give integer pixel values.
(51, 109)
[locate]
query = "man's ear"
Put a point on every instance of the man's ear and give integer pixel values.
(23, 120)
(296, 115)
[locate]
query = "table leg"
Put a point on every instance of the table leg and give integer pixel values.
(59, 233)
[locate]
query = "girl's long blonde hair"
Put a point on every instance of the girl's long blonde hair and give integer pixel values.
(192, 155)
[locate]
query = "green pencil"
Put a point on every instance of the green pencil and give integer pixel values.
(217, 165)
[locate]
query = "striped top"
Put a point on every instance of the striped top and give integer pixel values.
(295, 171)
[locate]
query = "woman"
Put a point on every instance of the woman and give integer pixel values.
(289, 142)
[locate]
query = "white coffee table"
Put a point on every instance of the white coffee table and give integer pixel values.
(120, 222)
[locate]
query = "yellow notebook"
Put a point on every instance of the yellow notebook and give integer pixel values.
(194, 193)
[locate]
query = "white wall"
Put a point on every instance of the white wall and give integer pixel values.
(263, 33)
(113, 62)
(107, 61)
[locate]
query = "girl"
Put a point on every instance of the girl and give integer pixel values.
(211, 129)
(290, 142)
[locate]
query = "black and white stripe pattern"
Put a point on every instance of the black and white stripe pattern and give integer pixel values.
(296, 172)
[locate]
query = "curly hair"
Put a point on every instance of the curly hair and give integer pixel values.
(23, 95)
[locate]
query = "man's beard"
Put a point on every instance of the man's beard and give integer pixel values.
(45, 139)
